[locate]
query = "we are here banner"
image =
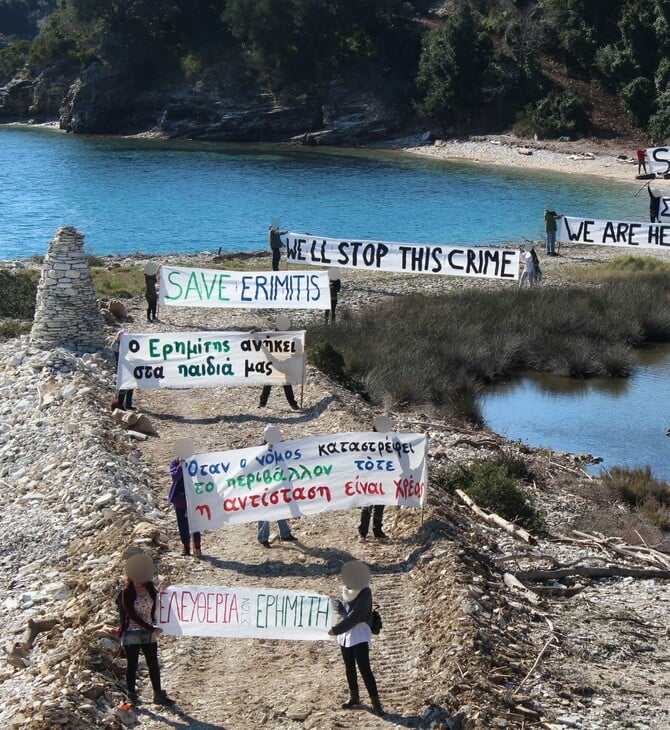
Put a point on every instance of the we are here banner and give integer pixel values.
(244, 613)
(305, 477)
(210, 359)
(409, 258)
(613, 233)
(658, 159)
(180, 286)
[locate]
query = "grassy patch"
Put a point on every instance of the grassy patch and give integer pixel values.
(442, 351)
(642, 491)
(13, 328)
(118, 282)
(493, 485)
(622, 266)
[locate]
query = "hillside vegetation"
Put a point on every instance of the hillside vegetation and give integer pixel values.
(542, 65)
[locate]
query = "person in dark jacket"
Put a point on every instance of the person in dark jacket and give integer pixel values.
(150, 292)
(177, 498)
(138, 631)
(654, 205)
(354, 634)
(335, 287)
(275, 243)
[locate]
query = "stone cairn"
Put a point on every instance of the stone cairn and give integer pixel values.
(66, 312)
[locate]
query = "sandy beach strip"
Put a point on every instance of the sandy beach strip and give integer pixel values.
(583, 157)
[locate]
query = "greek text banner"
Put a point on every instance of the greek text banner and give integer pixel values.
(305, 477)
(409, 258)
(658, 159)
(209, 359)
(244, 613)
(614, 233)
(247, 289)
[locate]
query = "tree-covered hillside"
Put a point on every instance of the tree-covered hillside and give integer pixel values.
(483, 65)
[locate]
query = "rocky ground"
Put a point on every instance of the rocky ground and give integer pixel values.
(459, 648)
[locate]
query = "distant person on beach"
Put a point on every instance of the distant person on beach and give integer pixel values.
(177, 498)
(353, 633)
(138, 632)
(150, 290)
(276, 244)
(641, 161)
(272, 435)
(335, 287)
(124, 398)
(654, 205)
(550, 218)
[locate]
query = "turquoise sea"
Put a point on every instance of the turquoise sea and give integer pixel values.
(130, 195)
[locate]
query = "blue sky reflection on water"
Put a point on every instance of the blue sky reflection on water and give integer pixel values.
(622, 420)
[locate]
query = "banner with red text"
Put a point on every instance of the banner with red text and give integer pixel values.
(409, 258)
(305, 477)
(181, 286)
(244, 613)
(614, 233)
(209, 359)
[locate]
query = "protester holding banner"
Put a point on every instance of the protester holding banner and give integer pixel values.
(283, 324)
(124, 397)
(272, 435)
(138, 631)
(150, 292)
(177, 498)
(550, 218)
(381, 424)
(641, 161)
(335, 286)
(654, 205)
(275, 244)
(354, 634)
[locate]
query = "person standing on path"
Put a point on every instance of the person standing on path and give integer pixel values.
(283, 324)
(531, 267)
(124, 398)
(138, 632)
(271, 436)
(550, 218)
(275, 243)
(150, 291)
(381, 424)
(641, 161)
(177, 498)
(354, 634)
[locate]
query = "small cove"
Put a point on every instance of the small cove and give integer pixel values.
(622, 420)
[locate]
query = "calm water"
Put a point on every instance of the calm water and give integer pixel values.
(149, 196)
(622, 420)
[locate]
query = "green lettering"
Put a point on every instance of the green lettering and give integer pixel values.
(174, 283)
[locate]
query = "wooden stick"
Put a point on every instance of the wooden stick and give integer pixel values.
(586, 571)
(510, 527)
(516, 585)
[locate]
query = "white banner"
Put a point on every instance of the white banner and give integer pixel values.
(244, 613)
(408, 258)
(613, 233)
(180, 286)
(210, 359)
(658, 160)
(305, 477)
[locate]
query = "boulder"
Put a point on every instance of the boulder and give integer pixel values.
(117, 308)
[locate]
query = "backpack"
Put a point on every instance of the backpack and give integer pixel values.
(376, 622)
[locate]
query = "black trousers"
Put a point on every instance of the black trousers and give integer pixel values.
(150, 652)
(377, 516)
(276, 256)
(359, 655)
(288, 392)
(152, 306)
(125, 399)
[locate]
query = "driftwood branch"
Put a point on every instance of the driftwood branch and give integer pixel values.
(587, 571)
(482, 443)
(35, 628)
(516, 585)
(547, 644)
(615, 545)
(495, 519)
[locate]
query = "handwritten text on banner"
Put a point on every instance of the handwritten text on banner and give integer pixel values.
(209, 359)
(409, 258)
(613, 233)
(261, 613)
(247, 289)
(305, 477)
(658, 159)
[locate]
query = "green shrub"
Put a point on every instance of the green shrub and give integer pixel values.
(12, 59)
(491, 485)
(559, 113)
(18, 293)
(13, 328)
(639, 97)
(331, 362)
(642, 491)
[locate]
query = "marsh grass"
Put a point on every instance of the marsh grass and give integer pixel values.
(642, 491)
(118, 282)
(443, 350)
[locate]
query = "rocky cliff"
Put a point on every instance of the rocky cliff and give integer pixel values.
(100, 100)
